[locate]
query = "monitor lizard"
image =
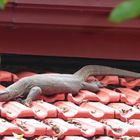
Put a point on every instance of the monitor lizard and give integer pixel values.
(50, 84)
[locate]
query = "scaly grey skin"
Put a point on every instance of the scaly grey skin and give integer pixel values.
(50, 84)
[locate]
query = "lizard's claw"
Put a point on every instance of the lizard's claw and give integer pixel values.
(27, 102)
(99, 84)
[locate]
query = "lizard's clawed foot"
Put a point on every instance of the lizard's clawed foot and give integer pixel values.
(98, 84)
(27, 102)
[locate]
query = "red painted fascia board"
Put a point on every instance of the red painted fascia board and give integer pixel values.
(100, 43)
(69, 3)
(69, 13)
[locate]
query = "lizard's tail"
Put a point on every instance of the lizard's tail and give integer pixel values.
(88, 70)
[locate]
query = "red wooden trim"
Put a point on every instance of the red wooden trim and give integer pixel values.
(101, 43)
(71, 3)
(68, 13)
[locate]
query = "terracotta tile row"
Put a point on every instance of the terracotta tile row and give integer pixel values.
(39, 110)
(83, 127)
(52, 127)
(106, 96)
(65, 110)
(97, 111)
(93, 110)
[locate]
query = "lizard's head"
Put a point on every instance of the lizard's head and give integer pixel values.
(4, 95)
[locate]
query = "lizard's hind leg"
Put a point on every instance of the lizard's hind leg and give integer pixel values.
(32, 95)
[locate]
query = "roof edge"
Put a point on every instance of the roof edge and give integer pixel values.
(68, 13)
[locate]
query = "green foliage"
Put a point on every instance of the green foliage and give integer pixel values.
(3, 3)
(125, 11)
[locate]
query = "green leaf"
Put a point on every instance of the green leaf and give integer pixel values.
(125, 11)
(3, 3)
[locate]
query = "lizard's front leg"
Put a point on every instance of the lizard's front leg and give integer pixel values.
(32, 95)
(98, 84)
(93, 86)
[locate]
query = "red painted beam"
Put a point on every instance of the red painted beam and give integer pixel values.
(88, 3)
(100, 43)
(68, 13)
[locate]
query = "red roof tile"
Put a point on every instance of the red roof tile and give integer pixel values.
(68, 110)
(43, 109)
(8, 76)
(98, 110)
(129, 96)
(88, 127)
(13, 110)
(2, 87)
(25, 74)
(31, 127)
(61, 128)
(130, 84)
(7, 128)
(106, 115)
(52, 99)
(83, 95)
(117, 128)
(107, 96)
(135, 122)
(110, 80)
(125, 112)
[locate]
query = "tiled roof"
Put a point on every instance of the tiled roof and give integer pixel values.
(112, 113)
